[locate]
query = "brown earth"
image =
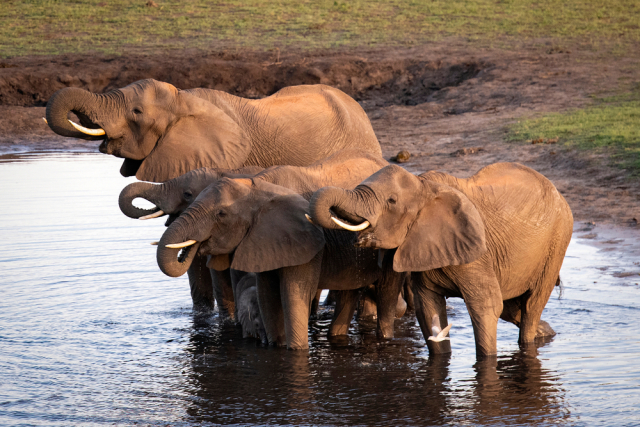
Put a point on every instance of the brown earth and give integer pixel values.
(446, 104)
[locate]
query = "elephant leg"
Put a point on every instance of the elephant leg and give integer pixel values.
(315, 304)
(269, 301)
(387, 291)
(236, 276)
(201, 285)
(367, 310)
(408, 292)
(427, 304)
(481, 293)
(532, 308)
(401, 306)
(512, 312)
(346, 302)
(298, 286)
(223, 291)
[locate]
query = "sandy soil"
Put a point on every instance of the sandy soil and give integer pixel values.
(433, 101)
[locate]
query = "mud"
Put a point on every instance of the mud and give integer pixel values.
(446, 104)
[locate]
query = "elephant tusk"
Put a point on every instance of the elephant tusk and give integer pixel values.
(154, 243)
(358, 227)
(309, 219)
(94, 132)
(153, 215)
(181, 245)
(45, 120)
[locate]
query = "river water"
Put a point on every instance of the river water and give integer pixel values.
(92, 333)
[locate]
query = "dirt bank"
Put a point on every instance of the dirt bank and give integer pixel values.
(433, 101)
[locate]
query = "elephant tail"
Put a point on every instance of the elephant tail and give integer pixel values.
(560, 287)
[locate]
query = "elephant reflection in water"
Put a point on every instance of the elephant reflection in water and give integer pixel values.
(233, 381)
(365, 384)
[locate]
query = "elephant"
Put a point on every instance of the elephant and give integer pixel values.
(172, 198)
(344, 168)
(248, 309)
(257, 226)
(496, 239)
(163, 132)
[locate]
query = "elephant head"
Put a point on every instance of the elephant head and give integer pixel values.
(160, 131)
(257, 225)
(432, 225)
(174, 196)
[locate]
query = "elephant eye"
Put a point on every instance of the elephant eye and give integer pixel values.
(187, 194)
(221, 214)
(392, 200)
(137, 111)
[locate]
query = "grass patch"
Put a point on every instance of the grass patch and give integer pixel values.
(120, 26)
(611, 126)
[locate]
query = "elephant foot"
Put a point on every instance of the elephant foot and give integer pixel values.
(544, 330)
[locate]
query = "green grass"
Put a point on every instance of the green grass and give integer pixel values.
(123, 26)
(611, 126)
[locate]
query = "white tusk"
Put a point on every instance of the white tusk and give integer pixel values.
(154, 243)
(45, 120)
(359, 227)
(309, 219)
(94, 132)
(181, 245)
(153, 215)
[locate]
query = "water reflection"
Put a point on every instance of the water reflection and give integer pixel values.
(361, 381)
(91, 333)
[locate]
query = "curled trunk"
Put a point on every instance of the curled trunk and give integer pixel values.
(175, 262)
(333, 200)
(144, 190)
(86, 105)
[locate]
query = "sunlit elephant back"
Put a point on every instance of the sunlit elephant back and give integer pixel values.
(163, 132)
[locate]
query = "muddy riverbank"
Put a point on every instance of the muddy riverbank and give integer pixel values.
(447, 104)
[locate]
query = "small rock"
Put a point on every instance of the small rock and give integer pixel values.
(464, 151)
(402, 157)
(151, 3)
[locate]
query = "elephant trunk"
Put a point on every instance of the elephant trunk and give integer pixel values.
(144, 190)
(174, 262)
(86, 105)
(329, 202)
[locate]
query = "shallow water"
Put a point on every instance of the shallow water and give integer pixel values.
(92, 333)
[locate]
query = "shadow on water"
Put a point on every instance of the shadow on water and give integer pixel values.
(357, 380)
(92, 333)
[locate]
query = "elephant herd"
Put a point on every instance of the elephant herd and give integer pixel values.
(269, 201)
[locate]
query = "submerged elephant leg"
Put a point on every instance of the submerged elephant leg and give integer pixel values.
(201, 285)
(481, 293)
(223, 291)
(346, 302)
(269, 301)
(512, 312)
(387, 291)
(531, 325)
(298, 286)
(428, 304)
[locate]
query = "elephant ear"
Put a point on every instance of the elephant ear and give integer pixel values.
(203, 137)
(447, 231)
(280, 236)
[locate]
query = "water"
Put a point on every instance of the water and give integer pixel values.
(92, 333)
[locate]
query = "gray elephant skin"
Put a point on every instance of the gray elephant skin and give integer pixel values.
(163, 132)
(497, 240)
(255, 225)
